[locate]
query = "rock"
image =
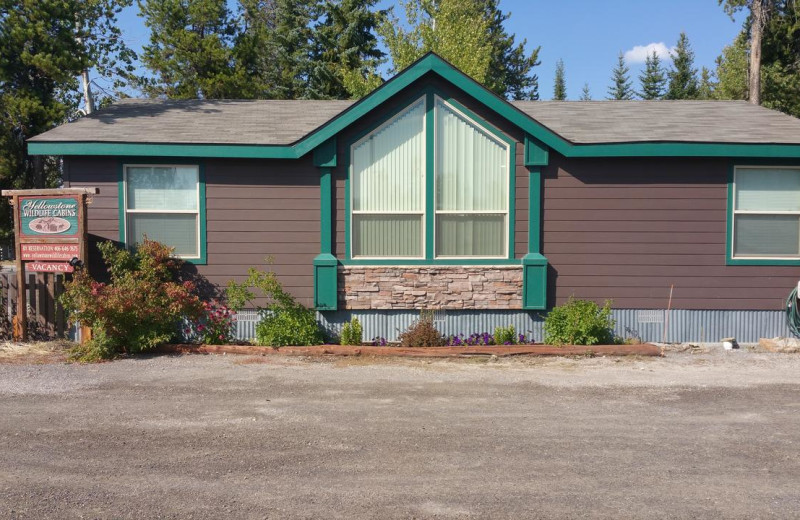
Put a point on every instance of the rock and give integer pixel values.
(784, 345)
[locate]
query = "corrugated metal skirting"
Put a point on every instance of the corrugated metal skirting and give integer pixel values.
(683, 325)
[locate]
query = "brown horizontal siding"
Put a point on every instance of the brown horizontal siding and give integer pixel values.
(255, 210)
(629, 229)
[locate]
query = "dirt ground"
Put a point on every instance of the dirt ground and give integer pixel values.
(709, 434)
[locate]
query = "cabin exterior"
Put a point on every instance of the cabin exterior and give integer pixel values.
(433, 193)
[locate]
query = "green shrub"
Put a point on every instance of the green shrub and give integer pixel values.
(422, 333)
(579, 322)
(505, 336)
(141, 307)
(351, 333)
(284, 321)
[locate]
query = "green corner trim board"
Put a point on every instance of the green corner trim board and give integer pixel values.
(539, 135)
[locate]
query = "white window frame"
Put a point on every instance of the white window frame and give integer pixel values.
(128, 240)
(506, 184)
(734, 212)
(422, 214)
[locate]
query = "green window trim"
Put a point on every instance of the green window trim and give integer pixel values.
(202, 258)
(729, 258)
(430, 94)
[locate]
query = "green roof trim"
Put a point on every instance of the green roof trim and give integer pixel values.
(430, 63)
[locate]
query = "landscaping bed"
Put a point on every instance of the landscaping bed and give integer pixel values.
(644, 349)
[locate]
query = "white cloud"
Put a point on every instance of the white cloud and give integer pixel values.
(639, 53)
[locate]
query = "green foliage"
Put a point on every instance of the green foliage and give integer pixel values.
(214, 325)
(422, 333)
(352, 333)
(683, 75)
(579, 322)
(732, 70)
(586, 94)
(456, 30)
(346, 56)
(621, 87)
(284, 321)
(560, 85)
(706, 86)
(99, 348)
(505, 336)
(190, 51)
(141, 306)
(652, 79)
(44, 46)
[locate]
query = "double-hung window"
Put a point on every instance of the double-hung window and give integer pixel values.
(415, 176)
(162, 202)
(766, 213)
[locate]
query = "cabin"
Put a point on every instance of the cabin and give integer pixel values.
(432, 193)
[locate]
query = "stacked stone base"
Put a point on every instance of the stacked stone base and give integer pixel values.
(428, 287)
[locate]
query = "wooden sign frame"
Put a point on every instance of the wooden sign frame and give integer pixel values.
(82, 196)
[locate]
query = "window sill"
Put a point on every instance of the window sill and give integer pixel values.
(763, 261)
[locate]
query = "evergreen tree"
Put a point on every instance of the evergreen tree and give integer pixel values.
(706, 87)
(621, 88)
(652, 79)
(190, 51)
(586, 95)
(511, 68)
(346, 55)
(560, 86)
(44, 47)
(292, 44)
(683, 75)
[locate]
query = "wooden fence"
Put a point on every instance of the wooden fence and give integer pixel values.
(46, 317)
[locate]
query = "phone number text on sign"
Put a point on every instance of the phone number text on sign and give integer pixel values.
(49, 251)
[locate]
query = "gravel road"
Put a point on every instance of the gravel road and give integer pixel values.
(712, 435)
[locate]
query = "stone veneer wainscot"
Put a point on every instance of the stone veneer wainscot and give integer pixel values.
(440, 287)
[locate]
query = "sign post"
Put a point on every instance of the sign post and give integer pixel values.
(50, 235)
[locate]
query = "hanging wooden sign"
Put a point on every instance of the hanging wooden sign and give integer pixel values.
(50, 236)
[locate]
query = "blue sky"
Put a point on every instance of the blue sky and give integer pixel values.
(587, 34)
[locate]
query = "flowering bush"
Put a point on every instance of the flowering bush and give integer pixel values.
(214, 325)
(379, 341)
(141, 306)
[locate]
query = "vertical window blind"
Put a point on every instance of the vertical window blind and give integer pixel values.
(388, 188)
(766, 213)
(162, 204)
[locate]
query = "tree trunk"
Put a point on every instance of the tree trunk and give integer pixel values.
(759, 15)
(87, 92)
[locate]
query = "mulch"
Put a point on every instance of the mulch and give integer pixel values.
(644, 349)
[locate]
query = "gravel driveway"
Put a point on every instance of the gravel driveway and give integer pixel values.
(711, 435)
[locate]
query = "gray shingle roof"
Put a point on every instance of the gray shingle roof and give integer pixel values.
(263, 122)
(280, 122)
(587, 122)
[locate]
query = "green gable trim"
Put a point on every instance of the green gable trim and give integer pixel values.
(729, 259)
(429, 63)
(536, 153)
(202, 259)
(325, 154)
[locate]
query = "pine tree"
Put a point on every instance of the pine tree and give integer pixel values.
(511, 68)
(621, 88)
(706, 87)
(683, 75)
(44, 47)
(652, 79)
(346, 55)
(190, 51)
(586, 95)
(560, 86)
(732, 70)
